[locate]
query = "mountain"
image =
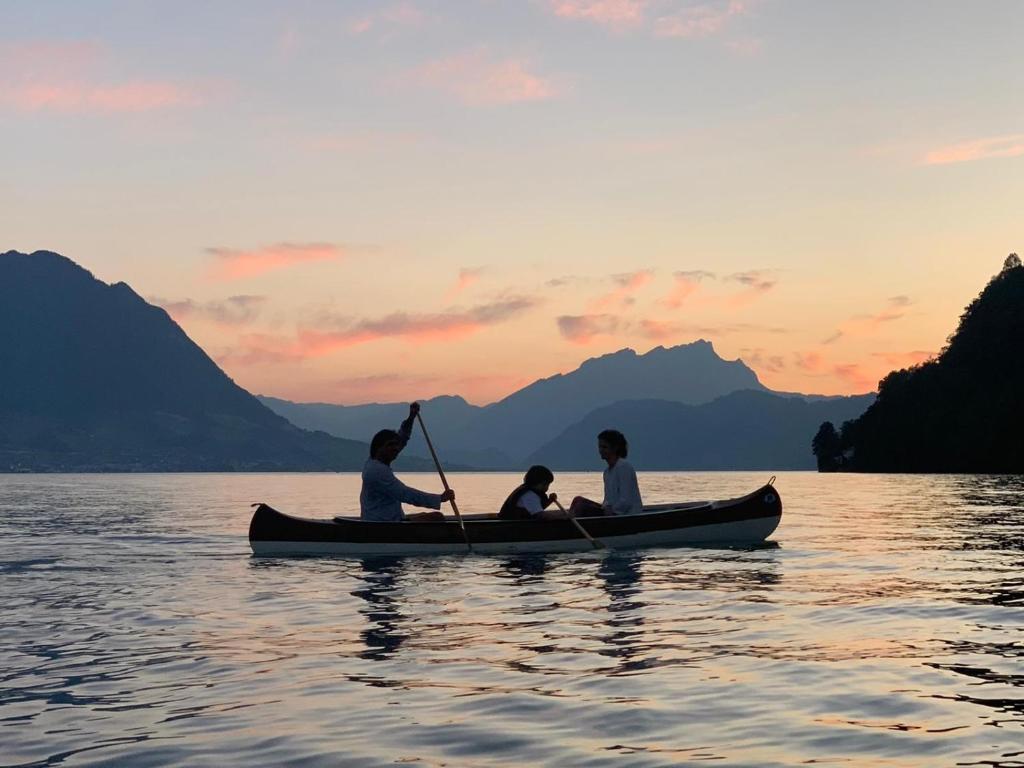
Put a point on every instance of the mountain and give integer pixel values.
(961, 412)
(94, 378)
(503, 434)
(742, 430)
(447, 417)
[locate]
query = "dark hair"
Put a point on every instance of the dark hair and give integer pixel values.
(537, 474)
(617, 441)
(381, 439)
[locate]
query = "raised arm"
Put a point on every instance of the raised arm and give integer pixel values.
(405, 429)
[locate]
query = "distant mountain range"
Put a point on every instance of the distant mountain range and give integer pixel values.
(94, 378)
(682, 408)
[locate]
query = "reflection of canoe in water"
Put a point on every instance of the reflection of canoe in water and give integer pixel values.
(745, 520)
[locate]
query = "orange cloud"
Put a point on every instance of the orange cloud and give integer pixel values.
(476, 79)
(698, 21)
(256, 349)
(856, 375)
(235, 264)
(1011, 145)
(686, 284)
(627, 284)
(582, 329)
(609, 13)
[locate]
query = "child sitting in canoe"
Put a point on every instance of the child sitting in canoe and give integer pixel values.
(530, 500)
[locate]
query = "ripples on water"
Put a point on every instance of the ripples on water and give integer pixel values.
(883, 628)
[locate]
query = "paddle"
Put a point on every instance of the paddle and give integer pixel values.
(598, 544)
(444, 480)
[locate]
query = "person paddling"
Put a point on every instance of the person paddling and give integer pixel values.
(530, 500)
(383, 494)
(621, 489)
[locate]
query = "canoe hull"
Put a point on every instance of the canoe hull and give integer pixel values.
(746, 520)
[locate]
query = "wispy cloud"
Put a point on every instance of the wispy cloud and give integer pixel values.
(756, 284)
(468, 276)
(763, 361)
(608, 13)
(859, 325)
(55, 76)
(338, 333)
(686, 283)
(697, 21)
(235, 264)
(582, 329)
(388, 18)
(626, 284)
(234, 310)
(660, 18)
(1010, 145)
(477, 78)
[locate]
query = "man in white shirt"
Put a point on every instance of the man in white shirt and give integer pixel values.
(382, 494)
(621, 489)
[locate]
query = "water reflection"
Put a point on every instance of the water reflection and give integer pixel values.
(381, 591)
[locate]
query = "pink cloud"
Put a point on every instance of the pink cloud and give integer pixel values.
(389, 17)
(78, 97)
(698, 21)
(257, 349)
(686, 284)
(235, 264)
(1011, 145)
(477, 79)
(582, 329)
(61, 77)
(856, 375)
(609, 13)
(627, 284)
(662, 18)
(810, 362)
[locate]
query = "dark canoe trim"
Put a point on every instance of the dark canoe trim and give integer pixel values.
(270, 525)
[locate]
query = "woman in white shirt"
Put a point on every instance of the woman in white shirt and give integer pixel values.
(621, 489)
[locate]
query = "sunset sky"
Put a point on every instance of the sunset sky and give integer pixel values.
(359, 201)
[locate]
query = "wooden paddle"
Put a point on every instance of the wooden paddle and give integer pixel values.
(444, 480)
(598, 544)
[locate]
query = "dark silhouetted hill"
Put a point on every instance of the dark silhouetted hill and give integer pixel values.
(94, 378)
(741, 430)
(961, 412)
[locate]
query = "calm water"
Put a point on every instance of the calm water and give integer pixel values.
(885, 628)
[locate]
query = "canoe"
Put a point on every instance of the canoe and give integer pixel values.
(745, 520)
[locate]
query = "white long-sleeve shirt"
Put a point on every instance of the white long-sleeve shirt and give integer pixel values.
(621, 489)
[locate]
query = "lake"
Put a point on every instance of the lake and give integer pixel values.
(884, 627)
